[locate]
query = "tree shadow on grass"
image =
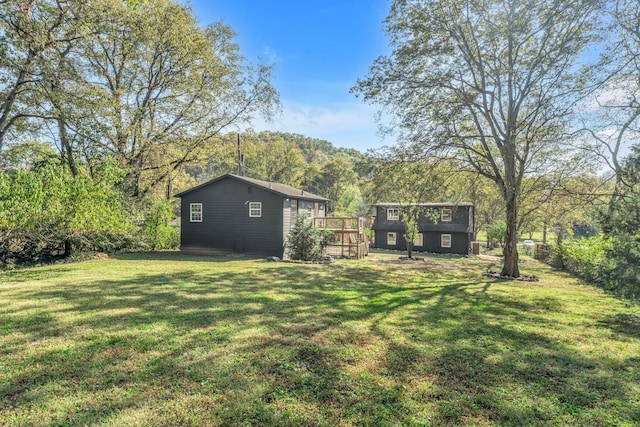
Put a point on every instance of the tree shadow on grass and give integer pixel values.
(623, 323)
(289, 344)
(177, 256)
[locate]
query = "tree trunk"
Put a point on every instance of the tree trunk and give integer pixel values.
(544, 233)
(559, 258)
(510, 250)
(68, 151)
(10, 99)
(409, 250)
(67, 248)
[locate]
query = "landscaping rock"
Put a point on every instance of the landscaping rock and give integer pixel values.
(522, 278)
(273, 259)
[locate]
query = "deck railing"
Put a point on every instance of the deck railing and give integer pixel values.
(347, 236)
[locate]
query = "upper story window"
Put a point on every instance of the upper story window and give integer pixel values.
(445, 214)
(255, 209)
(195, 212)
(393, 214)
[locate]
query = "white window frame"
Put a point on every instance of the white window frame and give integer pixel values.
(446, 215)
(393, 240)
(395, 216)
(255, 209)
(419, 240)
(193, 213)
(443, 240)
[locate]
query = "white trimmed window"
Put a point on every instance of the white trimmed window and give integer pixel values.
(255, 209)
(391, 238)
(445, 214)
(195, 212)
(445, 240)
(393, 214)
(419, 240)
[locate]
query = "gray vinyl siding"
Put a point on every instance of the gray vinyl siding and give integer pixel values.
(226, 225)
(287, 219)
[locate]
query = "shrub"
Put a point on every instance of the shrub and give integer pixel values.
(497, 232)
(46, 212)
(583, 257)
(158, 230)
(304, 241)
(621, 225)
(621, 267)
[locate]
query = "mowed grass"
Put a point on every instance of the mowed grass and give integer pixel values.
(165, 339)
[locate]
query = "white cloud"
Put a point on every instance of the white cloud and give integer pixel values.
(346, 125)
(618, 93)
(271, 55)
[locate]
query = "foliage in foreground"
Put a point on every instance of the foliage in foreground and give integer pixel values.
(621, 225)
(157, 226)
(612, 259)
(46, 212)
(612, 262)
(163, 339)
(582, 257)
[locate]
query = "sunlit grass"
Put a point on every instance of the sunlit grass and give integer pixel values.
(164, 339)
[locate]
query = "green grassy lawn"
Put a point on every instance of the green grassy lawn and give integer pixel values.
(165, 339)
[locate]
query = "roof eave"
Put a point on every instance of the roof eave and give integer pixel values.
(247, 181)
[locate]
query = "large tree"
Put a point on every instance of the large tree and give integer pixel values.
(157, 88)
(35, 36)
(138, 81)
(489, 82)
(611, 117)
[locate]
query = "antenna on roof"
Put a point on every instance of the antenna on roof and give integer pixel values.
(169, 192)
(241, 168)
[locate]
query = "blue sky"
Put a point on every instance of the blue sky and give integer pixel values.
(319, 48)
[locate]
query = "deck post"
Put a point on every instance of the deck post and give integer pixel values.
(345, 229)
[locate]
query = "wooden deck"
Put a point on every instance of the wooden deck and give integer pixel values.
(348, 237)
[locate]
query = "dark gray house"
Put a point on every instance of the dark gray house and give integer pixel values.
(236, 214)
(451, 232)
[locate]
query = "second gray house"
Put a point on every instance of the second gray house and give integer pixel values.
(236, 214)
(443, 227)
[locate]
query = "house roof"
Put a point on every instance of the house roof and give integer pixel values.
(428, 205)
(274, 187)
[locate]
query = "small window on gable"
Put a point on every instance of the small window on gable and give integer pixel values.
(445, 240)
(419, 240)
(393, 214)
(391, 238)
(195, 212)
(446, 214)
(255, 209)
